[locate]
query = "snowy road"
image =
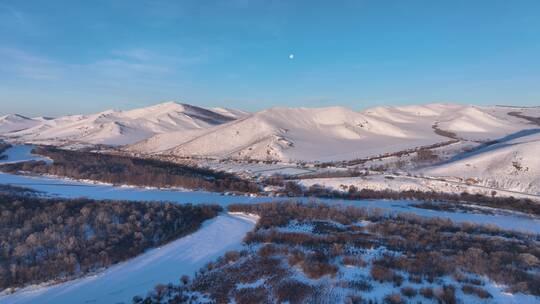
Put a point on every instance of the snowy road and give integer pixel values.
(120, 283)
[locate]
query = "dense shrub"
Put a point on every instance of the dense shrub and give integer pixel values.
(475, 290)
(292, 291)
(318, 268)
(446, 294)
(393, 298)
(427, 292)
(408, 291)
(382, 274)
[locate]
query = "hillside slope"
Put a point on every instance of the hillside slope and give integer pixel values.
(512, 164)
(15, 122)
(336, 133)
(114, 127)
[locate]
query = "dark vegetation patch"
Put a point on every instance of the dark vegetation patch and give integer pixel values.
(412, 250)
(477, 291)
(444, 133)
(57, 239)
(117, 169)
(425, 156)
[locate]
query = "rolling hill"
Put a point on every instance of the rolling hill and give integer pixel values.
(15, 122)
(337, 133)
(511, 164)
(114, 127)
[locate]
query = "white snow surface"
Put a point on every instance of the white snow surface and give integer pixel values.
(337, 133)
(114, 127)
(512, 164)
(15, 122)
(166, 264)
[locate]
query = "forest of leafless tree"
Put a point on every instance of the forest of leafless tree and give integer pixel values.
(57, 239)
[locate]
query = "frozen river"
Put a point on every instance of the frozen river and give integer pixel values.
(74, 189)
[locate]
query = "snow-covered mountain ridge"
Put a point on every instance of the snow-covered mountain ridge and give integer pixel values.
(283, 134)
(338, 133)
(114, 127)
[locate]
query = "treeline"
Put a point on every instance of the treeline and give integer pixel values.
(444, 133)
(56, 239)
(414, 251)
(3, 147)
(524, 205)
(117, 169)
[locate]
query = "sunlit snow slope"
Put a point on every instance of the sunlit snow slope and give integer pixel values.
(115, 127)
(512, 164)
(337, 133)
(15, 122)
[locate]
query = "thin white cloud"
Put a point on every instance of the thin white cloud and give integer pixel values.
(16, 62)
(135, 65)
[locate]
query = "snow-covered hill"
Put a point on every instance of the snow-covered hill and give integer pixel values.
(512, 164)
(337, 133)
(15, 122)
(114, 127)
(467, 122)
(285, 134)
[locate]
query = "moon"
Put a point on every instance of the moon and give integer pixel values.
(291, 56)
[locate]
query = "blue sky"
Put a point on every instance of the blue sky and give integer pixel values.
(76, 56)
